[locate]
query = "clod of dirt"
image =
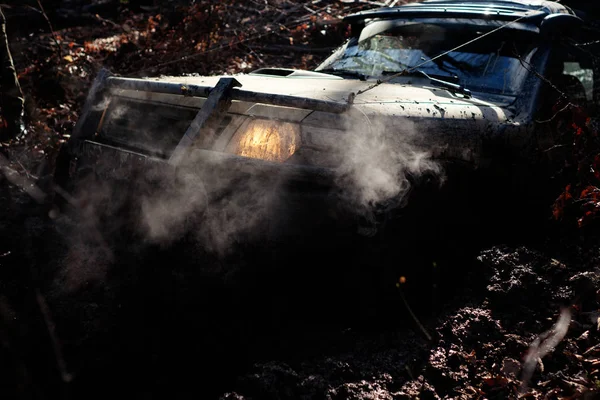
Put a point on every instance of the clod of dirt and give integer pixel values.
(232, 396)
(516, 276)
(585, 286)
(480, 348)
(417, 389)
(272, 380)
(467, 346)
(368, 366)
(362, 390)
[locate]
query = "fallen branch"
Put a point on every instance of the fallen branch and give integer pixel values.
(58, 354)
(544, 344)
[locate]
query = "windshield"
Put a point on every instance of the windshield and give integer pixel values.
(490, 64)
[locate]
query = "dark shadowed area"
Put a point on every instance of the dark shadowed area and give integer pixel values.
(189, 283)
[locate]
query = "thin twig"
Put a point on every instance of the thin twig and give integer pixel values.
(259, 58)
(414, 317)
(556, 146)
(24, 183)
(527, 65)
(104, 20)
(51, 30)
(26, 171)
(569, 105)
(588, 43)
(591, 349)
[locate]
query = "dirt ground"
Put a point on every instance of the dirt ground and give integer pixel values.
(512, 315)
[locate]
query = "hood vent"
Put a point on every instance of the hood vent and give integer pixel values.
(292, 73)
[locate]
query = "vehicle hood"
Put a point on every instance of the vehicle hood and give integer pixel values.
(411, 97)
(448, 124)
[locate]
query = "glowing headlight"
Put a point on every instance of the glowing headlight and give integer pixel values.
(266, 140)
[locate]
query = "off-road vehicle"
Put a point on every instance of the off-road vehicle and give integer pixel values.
(417, 92)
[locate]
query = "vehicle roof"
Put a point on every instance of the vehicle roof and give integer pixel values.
(532, 10)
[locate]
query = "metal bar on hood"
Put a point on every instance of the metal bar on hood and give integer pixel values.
(207, 119)
(236, 94)
(91, 100)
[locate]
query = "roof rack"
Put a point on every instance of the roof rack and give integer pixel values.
(496, 10)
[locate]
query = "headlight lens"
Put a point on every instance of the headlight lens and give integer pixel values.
(266, 140)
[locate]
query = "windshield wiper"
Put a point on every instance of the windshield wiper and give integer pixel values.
(343, 72)
(454, 87)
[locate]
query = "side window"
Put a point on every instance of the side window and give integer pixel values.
(585, 76)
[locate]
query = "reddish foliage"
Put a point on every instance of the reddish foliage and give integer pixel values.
(580, 200)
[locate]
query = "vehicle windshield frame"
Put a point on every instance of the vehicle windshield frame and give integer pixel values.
(465, 26)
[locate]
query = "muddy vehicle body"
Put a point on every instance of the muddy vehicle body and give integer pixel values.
(421, 94)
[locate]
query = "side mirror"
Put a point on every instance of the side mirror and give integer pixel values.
(561, 24)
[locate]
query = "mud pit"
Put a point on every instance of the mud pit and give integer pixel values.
(160, 322)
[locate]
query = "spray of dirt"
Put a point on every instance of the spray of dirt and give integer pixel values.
(219, 205)
(210, 200)
(380, 160)
(88, 254)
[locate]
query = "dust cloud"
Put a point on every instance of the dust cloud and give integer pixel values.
(218, 205)
(379, 161)
(211, 201)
